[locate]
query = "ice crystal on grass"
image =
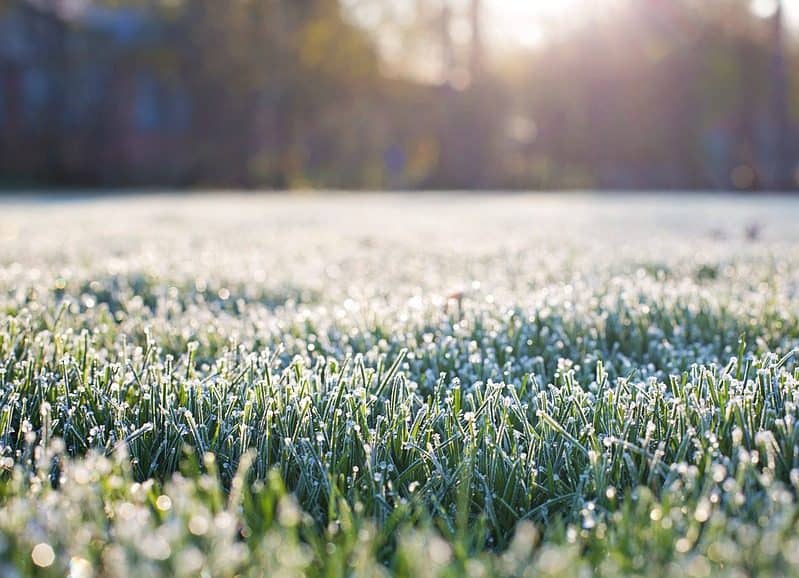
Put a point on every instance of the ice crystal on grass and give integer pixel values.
(268, 387)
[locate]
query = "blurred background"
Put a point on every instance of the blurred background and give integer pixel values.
(400, 94)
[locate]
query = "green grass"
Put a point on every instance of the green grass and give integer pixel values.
(487, 387)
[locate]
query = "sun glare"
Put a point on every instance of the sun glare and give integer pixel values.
(526, 23)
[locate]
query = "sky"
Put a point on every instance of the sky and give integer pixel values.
(514, 23)
(507, 24)
(524, 23)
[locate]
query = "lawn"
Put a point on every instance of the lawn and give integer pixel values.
(404, 386)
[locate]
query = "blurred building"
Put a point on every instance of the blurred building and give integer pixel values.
(79, 100)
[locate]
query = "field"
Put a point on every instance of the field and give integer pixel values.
(417, 386)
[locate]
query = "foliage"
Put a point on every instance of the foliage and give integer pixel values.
(307, 93)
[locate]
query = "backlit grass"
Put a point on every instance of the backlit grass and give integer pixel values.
(368, 386)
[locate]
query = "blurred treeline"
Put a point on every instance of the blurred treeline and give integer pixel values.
(300, 93)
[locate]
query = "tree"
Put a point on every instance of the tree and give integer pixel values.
(783, 171)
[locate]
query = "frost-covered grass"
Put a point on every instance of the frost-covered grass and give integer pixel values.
(369, 386)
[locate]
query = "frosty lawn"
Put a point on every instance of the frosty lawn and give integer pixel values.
(432, 386)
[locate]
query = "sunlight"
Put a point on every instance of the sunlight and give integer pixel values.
(763, 8)
(526, 22)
